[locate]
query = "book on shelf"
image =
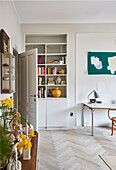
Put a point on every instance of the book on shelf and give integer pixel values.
(64, 60)
(52, 70)
(51, 83)
(40, 80)
(41, 70)
(42, 93)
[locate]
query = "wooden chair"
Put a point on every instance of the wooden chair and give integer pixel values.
(113, 119)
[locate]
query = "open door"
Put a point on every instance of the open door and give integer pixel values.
(28, 91)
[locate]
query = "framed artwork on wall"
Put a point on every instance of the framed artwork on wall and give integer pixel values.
(101, 63)
(5, 42)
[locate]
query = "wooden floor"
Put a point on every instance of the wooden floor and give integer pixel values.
(75, 149)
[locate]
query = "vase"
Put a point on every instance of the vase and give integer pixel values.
(56, 92)
(26, 154)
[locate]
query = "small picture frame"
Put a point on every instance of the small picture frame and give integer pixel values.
(5, 42)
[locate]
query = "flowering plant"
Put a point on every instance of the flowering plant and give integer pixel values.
(25, 141)
(6, 103)
(10, 119)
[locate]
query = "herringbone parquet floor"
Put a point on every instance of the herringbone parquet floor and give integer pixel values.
(75, 149)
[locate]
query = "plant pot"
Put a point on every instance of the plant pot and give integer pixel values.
(27, 154)
(3, 163)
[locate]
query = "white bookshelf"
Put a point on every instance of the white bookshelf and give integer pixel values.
(50, 48)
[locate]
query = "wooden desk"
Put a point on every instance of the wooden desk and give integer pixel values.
(94, 106)
(32, 163)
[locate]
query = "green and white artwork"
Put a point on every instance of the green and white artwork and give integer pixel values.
(102, 63)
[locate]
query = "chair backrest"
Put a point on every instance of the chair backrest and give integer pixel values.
(109, 113)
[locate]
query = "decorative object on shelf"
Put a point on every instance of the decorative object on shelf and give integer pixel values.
(5, 42)
(39, 60)
(43, 82)
(56, 92)
(50, 93)
(92, 100)
(51, 81)
(61, 62)
(58, 80)
(56, 61)
(62, 71)
(62, 82)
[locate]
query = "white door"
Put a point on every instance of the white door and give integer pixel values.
(28, 89)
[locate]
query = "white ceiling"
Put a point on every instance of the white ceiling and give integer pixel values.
(40, 11)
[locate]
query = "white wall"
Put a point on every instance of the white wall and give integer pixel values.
(105, 84)
(10, 23)
(79, 89)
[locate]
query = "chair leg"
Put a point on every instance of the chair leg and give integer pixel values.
(112, 127)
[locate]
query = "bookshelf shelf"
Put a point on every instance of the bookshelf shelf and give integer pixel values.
(27, 44)
(52, 64)
(51, 49)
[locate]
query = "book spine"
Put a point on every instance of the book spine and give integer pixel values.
(38, 70)
(44, 70)
(42, 93)
(48, 70)
(65, 60)
(39, 80)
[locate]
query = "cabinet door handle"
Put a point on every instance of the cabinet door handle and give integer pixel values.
(33, 95)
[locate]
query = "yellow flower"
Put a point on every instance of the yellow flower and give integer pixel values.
(19, 146)
(1, 102)
(28, 145)
(24, 141)
(22, 137)
(7, 102)
(11, 101)
(31, 134)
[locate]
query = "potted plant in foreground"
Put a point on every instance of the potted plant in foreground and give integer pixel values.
(5, 147)
(10, 121)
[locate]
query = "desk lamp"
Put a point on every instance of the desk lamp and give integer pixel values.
(96, 95)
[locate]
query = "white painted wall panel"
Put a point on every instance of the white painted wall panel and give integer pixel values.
(86, 83)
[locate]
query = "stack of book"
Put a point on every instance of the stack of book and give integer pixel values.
(41, 70)
(52, 70)
(51, 81)
(42, 93)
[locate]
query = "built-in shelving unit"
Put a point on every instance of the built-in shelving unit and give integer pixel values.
(51, 64)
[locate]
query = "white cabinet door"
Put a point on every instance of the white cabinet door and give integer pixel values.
(28, 86)
(42, 112)
(57, 114)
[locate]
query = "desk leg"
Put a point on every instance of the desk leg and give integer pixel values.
(92, 110)
(83, 115)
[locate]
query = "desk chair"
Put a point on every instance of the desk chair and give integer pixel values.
(113, 119)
